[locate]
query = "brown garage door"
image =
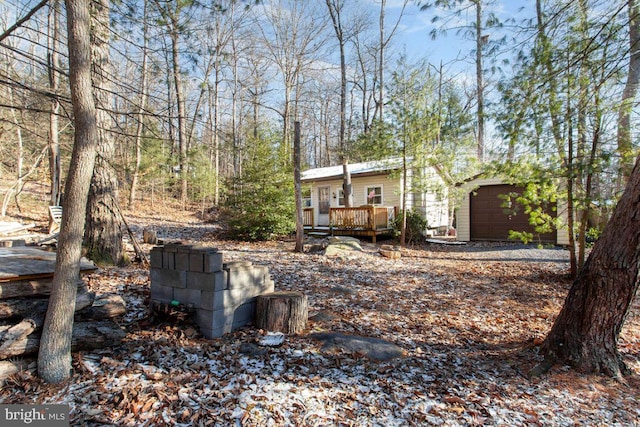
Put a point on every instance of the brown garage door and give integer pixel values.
(491, 221)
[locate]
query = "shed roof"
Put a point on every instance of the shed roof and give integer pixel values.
(354, 168)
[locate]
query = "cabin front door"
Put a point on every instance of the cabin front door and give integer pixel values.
(324, 202)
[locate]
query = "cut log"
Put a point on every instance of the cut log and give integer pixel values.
(86, 336)
(24, 347)
(15, 334)
(8, 367)
(36, 306)
(149, 236)
(94, 335)
(104, 307)
(282, 311)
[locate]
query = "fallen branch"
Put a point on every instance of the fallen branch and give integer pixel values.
(25, 307)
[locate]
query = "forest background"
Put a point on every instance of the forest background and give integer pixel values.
(215, 88)
(212, 123)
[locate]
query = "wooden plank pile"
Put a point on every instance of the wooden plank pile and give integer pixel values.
(24, 299)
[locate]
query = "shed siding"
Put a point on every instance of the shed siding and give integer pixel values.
(463, 217)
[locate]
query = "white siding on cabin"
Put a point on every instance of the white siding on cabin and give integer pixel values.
(433, 202)
(433, 206)
(390, 191)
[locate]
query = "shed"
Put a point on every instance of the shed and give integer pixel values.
(481, 215)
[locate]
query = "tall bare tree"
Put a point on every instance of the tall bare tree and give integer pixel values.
(53, 59)
(291, 36)
(176, 16)
(54, 357)
(625, 146)
(335, 11)
(384, 41)
(141, 108)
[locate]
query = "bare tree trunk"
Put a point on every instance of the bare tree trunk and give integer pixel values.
(625, 146)
(556, 123)
(182, 128)
(383, 44)
(143, 104)
(480, 78)
(585, 333)
(54, 358)
(20, 159)
(54, 83)
(103, 233)
(335, 9)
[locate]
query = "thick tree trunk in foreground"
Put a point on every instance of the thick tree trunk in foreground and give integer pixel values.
(585, 334)
(103, 232)
(54, 358)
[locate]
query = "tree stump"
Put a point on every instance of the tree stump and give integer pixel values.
(282, 311)
(149, 235)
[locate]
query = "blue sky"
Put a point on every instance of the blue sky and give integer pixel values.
(414, 32)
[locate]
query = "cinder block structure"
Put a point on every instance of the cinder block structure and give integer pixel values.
(222, 295)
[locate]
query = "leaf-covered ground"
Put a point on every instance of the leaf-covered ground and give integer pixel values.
(469, 321)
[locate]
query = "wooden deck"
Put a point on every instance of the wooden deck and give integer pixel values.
(363, 221)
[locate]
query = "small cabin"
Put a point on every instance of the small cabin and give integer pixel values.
(377, 198)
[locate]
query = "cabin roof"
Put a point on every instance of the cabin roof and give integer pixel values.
(373, 167)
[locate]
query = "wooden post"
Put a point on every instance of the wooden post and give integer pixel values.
(282, 311)
(298, 189)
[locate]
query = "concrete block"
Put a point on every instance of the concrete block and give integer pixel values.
(215, 323)
(221, 279)
(182, 260)
(261, 272)
(187, 296)
(236, 264)
(174, 278)
(268, 286)
(212, 261)
(215, 319)
(154, 275)
(155, 256)
(161, 293)
(196, 261)
(228, 298)
(244, 314)
(168, 260)
(202, 281)
(207, 300)
(241, 277)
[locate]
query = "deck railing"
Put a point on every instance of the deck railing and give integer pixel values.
(307, 217)
(363, 217)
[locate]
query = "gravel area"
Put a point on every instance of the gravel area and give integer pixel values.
(503, 251)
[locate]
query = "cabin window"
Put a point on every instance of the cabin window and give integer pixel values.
(374, 195)
(306, 197)
(341, 197)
